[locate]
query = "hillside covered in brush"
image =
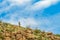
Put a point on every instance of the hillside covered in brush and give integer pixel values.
(17, 32)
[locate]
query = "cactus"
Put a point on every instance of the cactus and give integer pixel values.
(19, 24)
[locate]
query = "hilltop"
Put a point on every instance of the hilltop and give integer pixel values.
(17, 32)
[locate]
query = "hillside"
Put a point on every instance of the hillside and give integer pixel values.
(14, 32)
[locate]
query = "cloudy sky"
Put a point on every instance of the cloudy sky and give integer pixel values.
(43, 14)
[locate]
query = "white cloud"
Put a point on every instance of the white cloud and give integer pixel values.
(5, 6)
(29, 22)
(20, 2)
(44, 4)
(37, 6)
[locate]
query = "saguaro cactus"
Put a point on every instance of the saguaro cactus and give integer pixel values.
(19, 24)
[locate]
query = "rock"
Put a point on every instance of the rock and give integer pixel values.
(6, 34)
(7, 38)
(49, 33)
(18, 36)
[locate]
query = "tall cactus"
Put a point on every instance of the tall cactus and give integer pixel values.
(19, 24)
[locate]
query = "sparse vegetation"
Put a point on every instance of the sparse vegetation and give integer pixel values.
(14, 32)
(57, 35)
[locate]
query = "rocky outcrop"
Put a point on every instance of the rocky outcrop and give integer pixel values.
(14, 32)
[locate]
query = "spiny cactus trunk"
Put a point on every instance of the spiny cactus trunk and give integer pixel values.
(19, 24)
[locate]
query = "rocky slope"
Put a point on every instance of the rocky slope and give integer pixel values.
(14, 32)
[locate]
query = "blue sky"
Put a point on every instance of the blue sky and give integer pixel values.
(43, 14)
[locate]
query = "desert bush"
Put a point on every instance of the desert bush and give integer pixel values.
(37, 31)
(57, 35)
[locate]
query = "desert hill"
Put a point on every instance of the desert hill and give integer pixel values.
(17, 32)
